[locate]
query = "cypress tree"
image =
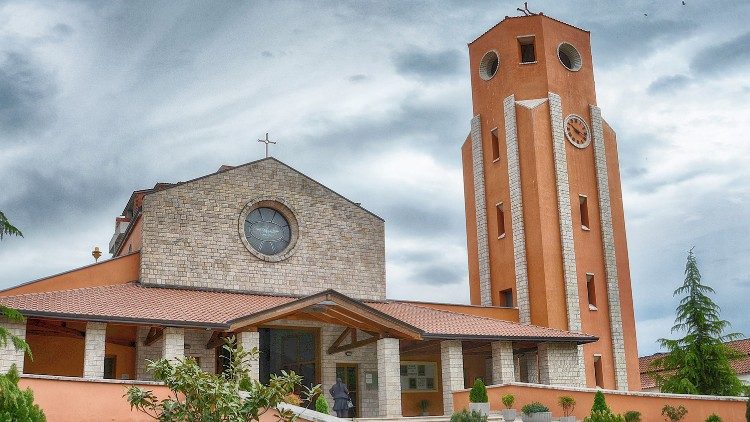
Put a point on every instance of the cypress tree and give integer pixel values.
(10, 314)
(600, 404)
(699, 362)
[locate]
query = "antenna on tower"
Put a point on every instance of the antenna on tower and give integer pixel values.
(526, 10)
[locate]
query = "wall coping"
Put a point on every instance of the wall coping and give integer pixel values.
(94, 380)
(615, 392)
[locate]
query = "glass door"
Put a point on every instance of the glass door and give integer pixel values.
(348, 374)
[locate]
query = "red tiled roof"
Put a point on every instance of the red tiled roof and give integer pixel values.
(740, 366)
(132, 302)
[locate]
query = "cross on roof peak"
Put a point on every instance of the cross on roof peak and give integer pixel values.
(267, 142)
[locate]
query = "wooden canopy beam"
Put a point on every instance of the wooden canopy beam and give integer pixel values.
(154, 334)
(336, 347)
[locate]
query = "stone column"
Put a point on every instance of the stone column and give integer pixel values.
(559, 364)
(8, 353)
(503, 368)
(250, 340)
(452, 361)
(174, 343)
(532, 367)
(93, 353)
(389, 377)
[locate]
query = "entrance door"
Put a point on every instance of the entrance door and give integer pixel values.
(348, 374)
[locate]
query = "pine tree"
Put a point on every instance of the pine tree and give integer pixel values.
(698, 363)
(6, 228)
(6, 313)
(600, 404)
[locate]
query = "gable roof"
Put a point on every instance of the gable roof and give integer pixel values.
(137, 304)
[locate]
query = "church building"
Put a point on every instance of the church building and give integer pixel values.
(265, 253)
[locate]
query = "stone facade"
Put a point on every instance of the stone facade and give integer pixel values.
(173, 346)
(93, 353)
(516, 212)
(195, 346)
(452, 361)
(610, 260)
(565, 213)
(560, 364)
(250, 340)
(480, 203)
(191, 237)
(144, 353)
(531, 362)
(503, 367)
(389, 377)
(8, 353)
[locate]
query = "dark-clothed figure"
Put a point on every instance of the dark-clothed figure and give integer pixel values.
(340, 395)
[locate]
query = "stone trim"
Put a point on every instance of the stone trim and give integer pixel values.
(93, 354)
(452, 367)
(480, 204)
(610, 259)
(516, 211)
(389, 377)
(565, 214)
(174, 343)
(250, 340)
(8, 353)
(503, 365)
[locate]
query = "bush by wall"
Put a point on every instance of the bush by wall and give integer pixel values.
(478, 393)
(466, 416)
(17, 405)
(321, 405)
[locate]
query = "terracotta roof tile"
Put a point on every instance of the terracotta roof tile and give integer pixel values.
(741, 366)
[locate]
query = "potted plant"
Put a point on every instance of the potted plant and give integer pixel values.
(568, 404)
(509, 414)
(479, 402)
(536, 412)
(424, 406)
(632, 416)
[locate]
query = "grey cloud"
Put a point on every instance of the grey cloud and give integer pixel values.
(667, 84)
(420, 219)
(25, 93)
(357, 78)
(633, 39)
(428, 65)
(725, 57)
(438, 273)
(266, 53)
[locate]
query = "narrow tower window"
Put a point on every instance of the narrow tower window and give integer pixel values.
(591, 289)
(506, 298)
(528, 53)
(584, 206)
(500, 220)
(495, 145)
(598, 375)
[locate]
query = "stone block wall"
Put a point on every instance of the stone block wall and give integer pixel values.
(8, 353)
(559, 364)
(452, 361)
(503, 366)
(195, 340)
(93, 353)
(389, 377)
(191, 236)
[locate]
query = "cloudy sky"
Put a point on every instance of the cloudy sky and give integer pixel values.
(98, 99)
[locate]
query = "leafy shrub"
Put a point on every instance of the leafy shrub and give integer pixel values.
(600, 404)
(465, 416)
(603, 416)
(508, 400)
(632, 416)
(713, 418)
(292, 398)
(321, 405)
(17, 405)
(534, 407)
(567, 403)
(674, 414)
(478, 392)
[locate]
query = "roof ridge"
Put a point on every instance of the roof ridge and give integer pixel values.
(133, 282)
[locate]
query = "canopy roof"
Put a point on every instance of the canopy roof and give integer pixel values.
(137, 304)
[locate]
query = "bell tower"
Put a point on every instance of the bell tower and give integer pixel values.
(545, 222)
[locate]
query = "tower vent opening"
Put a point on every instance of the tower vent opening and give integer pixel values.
(489, 65)
(569, 57)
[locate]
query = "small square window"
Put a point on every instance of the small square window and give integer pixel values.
(500, 220)
(506, 298)
(583, 204)
(527, 50)
(495, 145)
(591, 289)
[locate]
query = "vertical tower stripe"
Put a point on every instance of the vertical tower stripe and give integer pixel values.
(477, 157)
(516, 211)
(608, 241)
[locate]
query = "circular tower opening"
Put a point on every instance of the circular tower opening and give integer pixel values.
(569, 57)
(489, 65)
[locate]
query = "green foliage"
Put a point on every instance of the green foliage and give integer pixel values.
(230, 396)
(603, 416)
(567, 403)
(11, 314)
(714, 418)
(466, 416)
(321, 405)
(534, 407)
(508, 400)
(700, 362)
(673, 414)
(632, 416)
(600, 404)
(17, 405)
(6, 228)
(478, 393)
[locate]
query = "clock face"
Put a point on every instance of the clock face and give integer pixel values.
(577, 131)
(267, 231)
